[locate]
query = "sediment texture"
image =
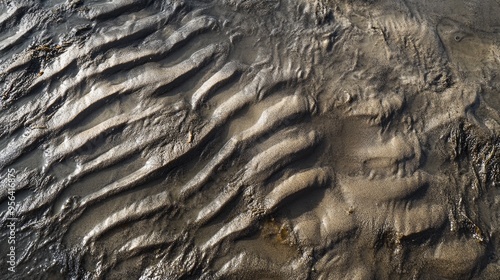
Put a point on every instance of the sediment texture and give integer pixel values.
(297, 139)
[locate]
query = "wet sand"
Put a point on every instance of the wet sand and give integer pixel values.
(231, 139)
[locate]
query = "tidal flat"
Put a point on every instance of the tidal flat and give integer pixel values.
(250, 139)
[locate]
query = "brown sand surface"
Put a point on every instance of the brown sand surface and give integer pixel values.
(250, 139)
